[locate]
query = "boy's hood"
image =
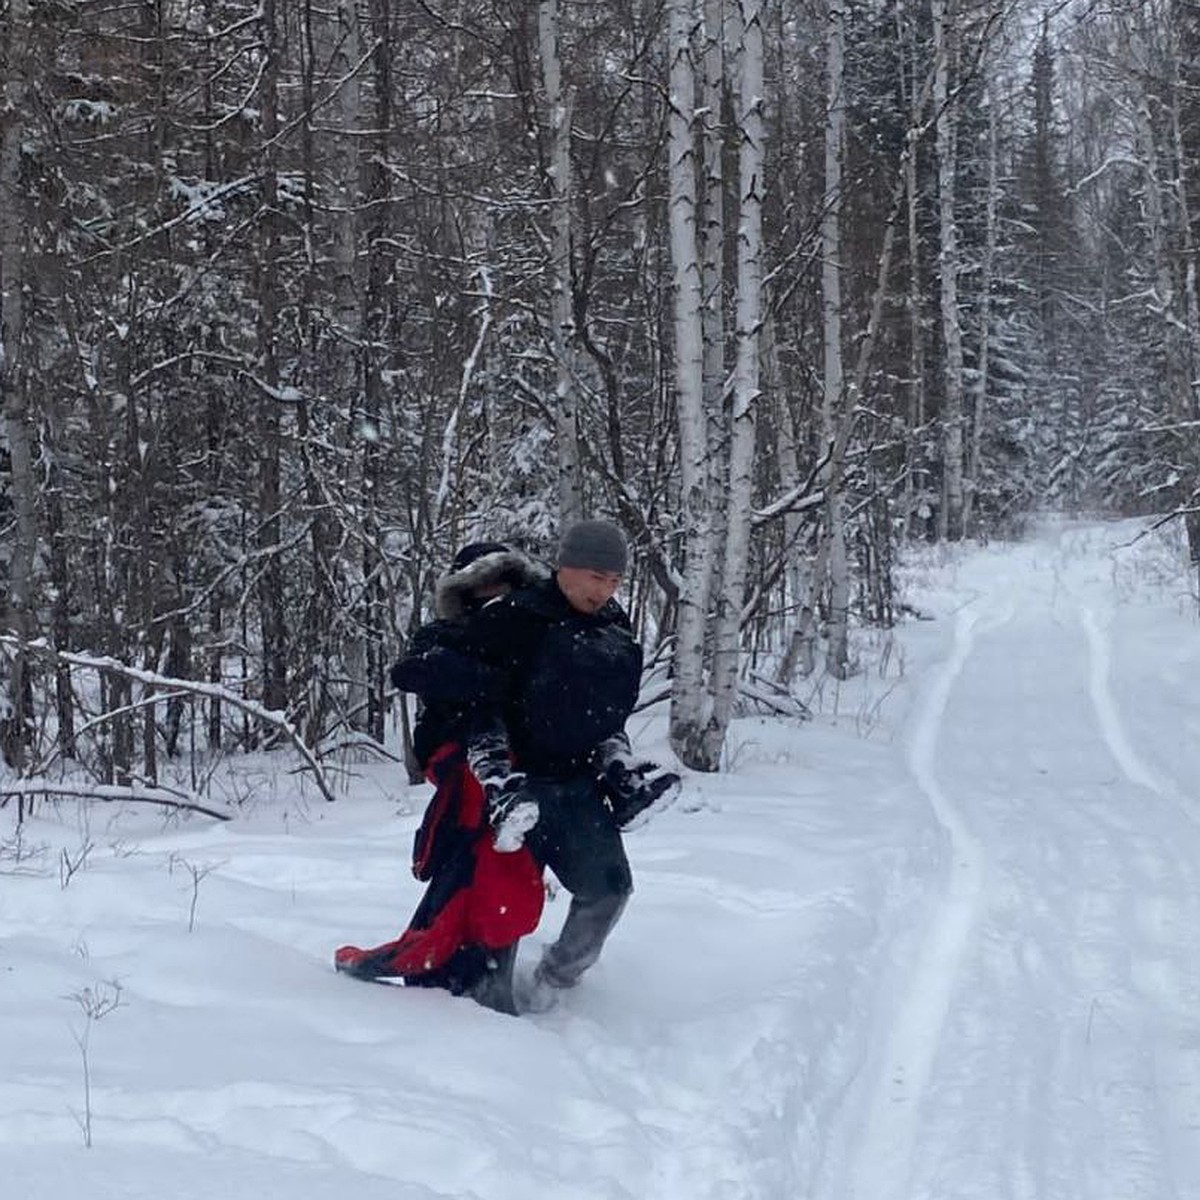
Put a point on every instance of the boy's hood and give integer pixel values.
(452, 596)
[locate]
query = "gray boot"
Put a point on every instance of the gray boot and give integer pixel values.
(588, 924)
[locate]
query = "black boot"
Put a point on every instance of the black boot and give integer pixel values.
(495, 989)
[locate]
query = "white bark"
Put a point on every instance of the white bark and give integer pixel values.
(747, 24)
(952, 405)
(689, 697)
(711, 228)
(570, 492)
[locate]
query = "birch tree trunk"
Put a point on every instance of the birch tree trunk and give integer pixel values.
(746, 26)
(711, 230)
(570, 489)
(689, 696)
(14, 393)
(834, 385)
(951, 517)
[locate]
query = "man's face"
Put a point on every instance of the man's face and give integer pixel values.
(588, 591)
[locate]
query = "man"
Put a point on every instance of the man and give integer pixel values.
(571, 670)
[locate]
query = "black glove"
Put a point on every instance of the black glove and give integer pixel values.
(638, 791)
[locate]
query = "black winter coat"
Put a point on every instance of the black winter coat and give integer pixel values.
(569, 680)
(461, 695)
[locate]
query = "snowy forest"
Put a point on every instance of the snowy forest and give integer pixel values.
(298, 297)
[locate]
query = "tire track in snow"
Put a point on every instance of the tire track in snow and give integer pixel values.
(1100, 667)
(883, 1157)
(1162, 971)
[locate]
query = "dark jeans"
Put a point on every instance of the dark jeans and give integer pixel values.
(576, 838)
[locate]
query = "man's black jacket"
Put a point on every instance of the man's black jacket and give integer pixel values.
(566, 680)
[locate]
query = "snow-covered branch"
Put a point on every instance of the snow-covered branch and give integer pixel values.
(196, 687)
(103, 791)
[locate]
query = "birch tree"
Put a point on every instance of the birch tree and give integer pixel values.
(711, 599)
(690, 708)
(714, 87)
(745, 25)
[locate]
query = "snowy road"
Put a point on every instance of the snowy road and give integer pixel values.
(1046, 1042)
(941, 943)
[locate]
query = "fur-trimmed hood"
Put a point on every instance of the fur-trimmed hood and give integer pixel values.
(456, 589)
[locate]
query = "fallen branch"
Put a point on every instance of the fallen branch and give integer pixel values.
(358, 742)
(774, 697)
(107, 792)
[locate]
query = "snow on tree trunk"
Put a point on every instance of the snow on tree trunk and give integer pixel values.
(746, 26)
(951, 516)
(570, 490)
(689, 695)
(14, 393)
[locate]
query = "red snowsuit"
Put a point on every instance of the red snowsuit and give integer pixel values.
(478, 899)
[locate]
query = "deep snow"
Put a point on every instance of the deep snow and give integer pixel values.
(939, 943)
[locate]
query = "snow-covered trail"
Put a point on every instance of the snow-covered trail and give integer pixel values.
(941, 943)
(1044, 1042)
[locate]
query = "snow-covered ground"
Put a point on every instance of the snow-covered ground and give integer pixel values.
(941, 943)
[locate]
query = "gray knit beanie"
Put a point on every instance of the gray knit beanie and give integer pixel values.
(594, 546)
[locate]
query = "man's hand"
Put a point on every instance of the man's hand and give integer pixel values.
(511, 813)
(638, 791)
